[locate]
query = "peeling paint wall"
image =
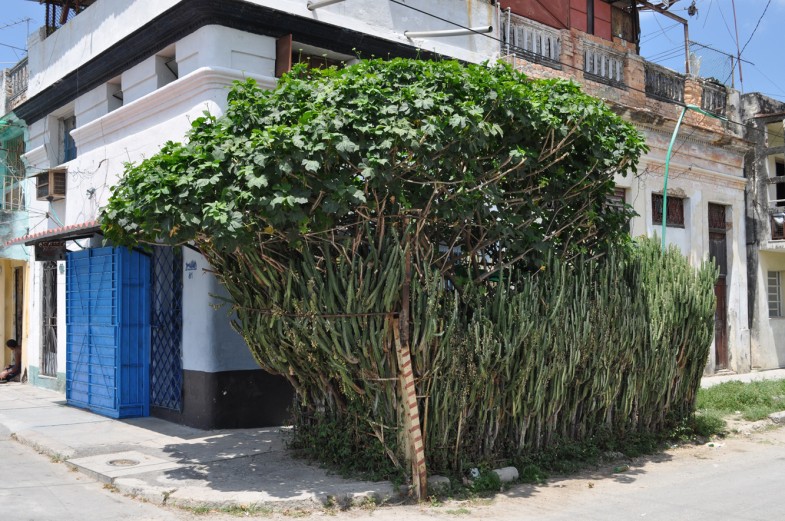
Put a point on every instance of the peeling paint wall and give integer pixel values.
(706, 167)
(766, 251)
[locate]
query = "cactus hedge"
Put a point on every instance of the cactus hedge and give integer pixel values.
(565, 352)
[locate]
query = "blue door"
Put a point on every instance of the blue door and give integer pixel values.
(108, 331)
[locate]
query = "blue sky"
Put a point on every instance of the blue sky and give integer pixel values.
(662, 39)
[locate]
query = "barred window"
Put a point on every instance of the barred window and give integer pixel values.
(675, 211)
(775, 294)
(618, 201)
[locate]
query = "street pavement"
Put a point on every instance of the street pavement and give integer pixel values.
(169, 465)
(33, 488)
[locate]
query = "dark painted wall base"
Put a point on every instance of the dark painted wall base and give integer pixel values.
(232, 400)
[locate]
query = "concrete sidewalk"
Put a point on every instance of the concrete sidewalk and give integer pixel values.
(770, 374)
(168, 463)
(163, 462)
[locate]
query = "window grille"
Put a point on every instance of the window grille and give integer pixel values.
(13, 179)
(675, 211)
(49, 320)
(775, 294)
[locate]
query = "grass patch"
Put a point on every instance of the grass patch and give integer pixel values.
(754, 400)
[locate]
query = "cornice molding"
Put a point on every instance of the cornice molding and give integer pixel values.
(695, 173)
(185, 18)
(37, 159)
(183, 90)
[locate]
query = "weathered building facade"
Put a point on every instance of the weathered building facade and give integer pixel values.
(765, 168)
(595, 44)
(13, 208)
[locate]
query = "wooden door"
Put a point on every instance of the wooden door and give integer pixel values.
(718, 252)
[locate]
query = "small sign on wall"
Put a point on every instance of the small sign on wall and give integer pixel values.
(50, 251)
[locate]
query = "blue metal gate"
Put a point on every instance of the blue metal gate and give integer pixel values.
(166, 361)
(108, 340)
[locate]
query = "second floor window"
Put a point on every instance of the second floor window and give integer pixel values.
(675, 217)
(69, 146)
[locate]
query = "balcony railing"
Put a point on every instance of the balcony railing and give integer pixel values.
(16, 84)
(12, 173)
(714, 98)
(664, 84)
(532, 41)
(603, 65)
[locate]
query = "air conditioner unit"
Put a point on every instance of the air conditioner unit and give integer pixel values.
(50, 185)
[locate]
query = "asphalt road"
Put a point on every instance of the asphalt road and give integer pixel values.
(741, 479)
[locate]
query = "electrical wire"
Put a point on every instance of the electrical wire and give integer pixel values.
(756, 28)
(656, 33)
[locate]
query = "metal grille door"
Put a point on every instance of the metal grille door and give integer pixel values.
(49, 320)
(108, 318)
(166, 362)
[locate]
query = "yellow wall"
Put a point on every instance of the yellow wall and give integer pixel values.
(7, 291)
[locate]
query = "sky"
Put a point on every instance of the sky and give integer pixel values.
(662, 39)
(763, 65)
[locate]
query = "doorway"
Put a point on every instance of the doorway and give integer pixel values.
(718, 252)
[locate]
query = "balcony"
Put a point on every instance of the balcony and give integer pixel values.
(714, 98)
(603, 65)
(16, 85)
(12, 174)
(664, 84)
(531, 41)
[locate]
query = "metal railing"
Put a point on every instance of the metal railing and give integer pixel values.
(12, 171)
(16, 84)
(603, 65)
(532, 41)
(664, 84)
(714, 98)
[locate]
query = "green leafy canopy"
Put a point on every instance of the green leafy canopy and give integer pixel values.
(485, 159)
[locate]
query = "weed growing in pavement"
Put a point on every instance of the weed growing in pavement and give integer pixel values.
(296, 512)
(232, 510)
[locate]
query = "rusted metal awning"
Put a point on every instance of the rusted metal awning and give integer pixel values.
(64, 233)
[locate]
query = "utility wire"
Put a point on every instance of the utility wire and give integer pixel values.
(756, 28)
(23, 20)
(656, 33)
(13, 47)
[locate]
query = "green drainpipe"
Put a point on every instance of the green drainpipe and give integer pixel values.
(668, 162)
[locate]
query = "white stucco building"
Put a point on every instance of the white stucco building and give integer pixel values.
(111, 86)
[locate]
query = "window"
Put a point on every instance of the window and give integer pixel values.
(675, 211)
(69, 146)
(779, 183)
(618, 201)
(14, 175)
(775, 294)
